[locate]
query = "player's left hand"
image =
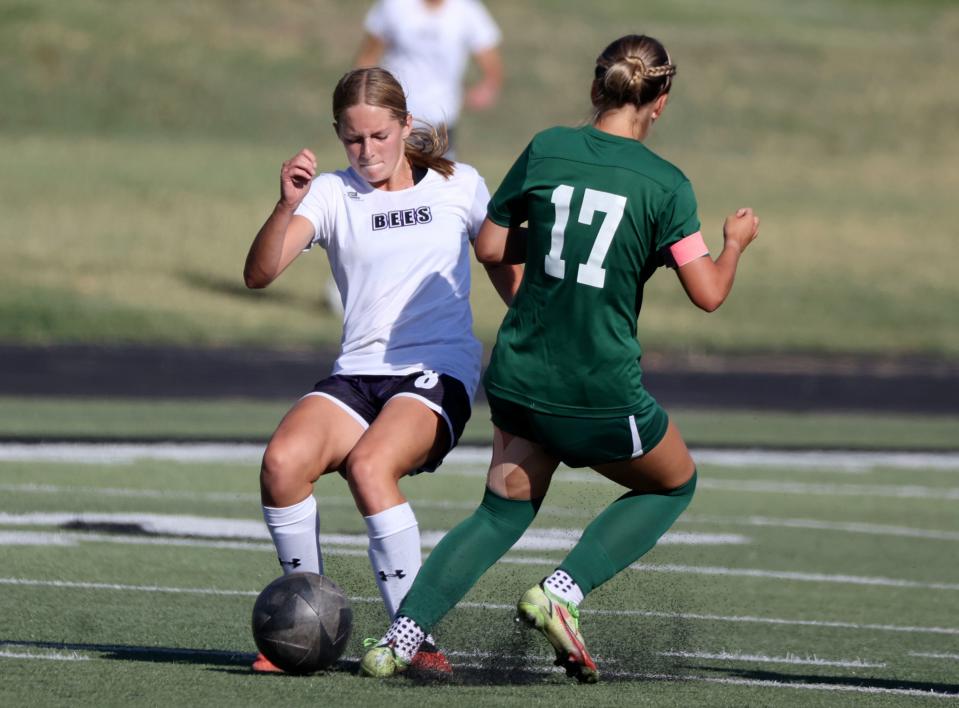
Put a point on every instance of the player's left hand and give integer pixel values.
(481, 97)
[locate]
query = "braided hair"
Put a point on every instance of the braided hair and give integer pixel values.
(634, 69)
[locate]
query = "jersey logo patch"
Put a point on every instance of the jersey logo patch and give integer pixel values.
(402, 217)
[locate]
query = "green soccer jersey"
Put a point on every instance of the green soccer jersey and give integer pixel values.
(602, 212)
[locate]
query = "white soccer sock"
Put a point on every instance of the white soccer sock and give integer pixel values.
(561, 585)
(296, 534)
(394, 552)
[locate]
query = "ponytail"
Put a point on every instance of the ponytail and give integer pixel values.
(426, 147)
(375, 86)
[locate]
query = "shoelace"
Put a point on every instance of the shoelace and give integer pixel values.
(572, 609)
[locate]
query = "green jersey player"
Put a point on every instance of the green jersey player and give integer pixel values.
(564, 383)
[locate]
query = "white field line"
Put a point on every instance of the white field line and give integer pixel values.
(547, 509)
(752, 486)
(817, 525)
(84, 651)
(895, 491)
(125, 453)
(51, 655)
(472, 457)
(538, 539)
(720, 656)
(764, 659)
(789, 659)
(485, 606)
(836, 461)
(759, 683)
(934, 655)
(246, 498)
(20, 538)
(792, 575)
(845, 688)
(534, 543)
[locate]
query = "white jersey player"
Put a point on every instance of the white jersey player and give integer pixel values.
(397, 227)
(427, 46)
(401, 263)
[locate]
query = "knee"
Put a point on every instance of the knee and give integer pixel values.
(282, 475)
(685, 487)
(369, 474)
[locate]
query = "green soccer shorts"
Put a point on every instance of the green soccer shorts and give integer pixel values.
(580, 441)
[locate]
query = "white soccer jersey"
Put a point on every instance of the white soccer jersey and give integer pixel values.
(427, 50)
(402, 265)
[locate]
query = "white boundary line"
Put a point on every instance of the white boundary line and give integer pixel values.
(845, 688)
(789, 659)
(546, 509)
(895, 491)
(122, 453)
(817, 525)
(335, 546)
(749, 486)
(934, 655)
(791, 575)
(759, 683)
(50, 655)
(764, 659)
(158, 526)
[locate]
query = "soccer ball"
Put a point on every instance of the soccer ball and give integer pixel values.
(302, 622)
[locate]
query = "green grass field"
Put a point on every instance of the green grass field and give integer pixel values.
(141, 144)
(820, 581)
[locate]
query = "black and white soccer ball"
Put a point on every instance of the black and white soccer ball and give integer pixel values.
(302, 622)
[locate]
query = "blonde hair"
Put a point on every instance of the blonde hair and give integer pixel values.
(374, 86)
(634, 69)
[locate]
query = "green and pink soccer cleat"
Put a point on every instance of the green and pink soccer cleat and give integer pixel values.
(558, 620)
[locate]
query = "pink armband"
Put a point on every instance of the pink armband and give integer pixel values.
(688, 249)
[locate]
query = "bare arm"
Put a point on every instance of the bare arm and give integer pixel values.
(506, 279)
(370, 51)
(485, 92)
(497, 244)
(708, 282)
(283, 236)
(501, 250)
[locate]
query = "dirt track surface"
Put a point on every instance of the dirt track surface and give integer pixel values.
(757, 382)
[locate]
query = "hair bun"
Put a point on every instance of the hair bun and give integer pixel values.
(638, 67)
(634, 69)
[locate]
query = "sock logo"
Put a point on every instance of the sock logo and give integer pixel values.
(294, 563)
(402, 217)
(399, 574)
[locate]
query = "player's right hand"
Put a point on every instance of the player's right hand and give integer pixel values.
(295, 177)
(741, 228)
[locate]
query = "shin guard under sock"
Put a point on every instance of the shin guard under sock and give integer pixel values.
(623, 533)
(464, 554)
(295, 532)
(394, 552)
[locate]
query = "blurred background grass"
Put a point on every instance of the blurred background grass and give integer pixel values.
(141, 143)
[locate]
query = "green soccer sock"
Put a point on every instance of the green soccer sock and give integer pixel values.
(623, 533)
(464, 554)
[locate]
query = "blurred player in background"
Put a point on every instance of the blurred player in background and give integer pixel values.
(564, 383)
(427, 45)
(397, 226)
